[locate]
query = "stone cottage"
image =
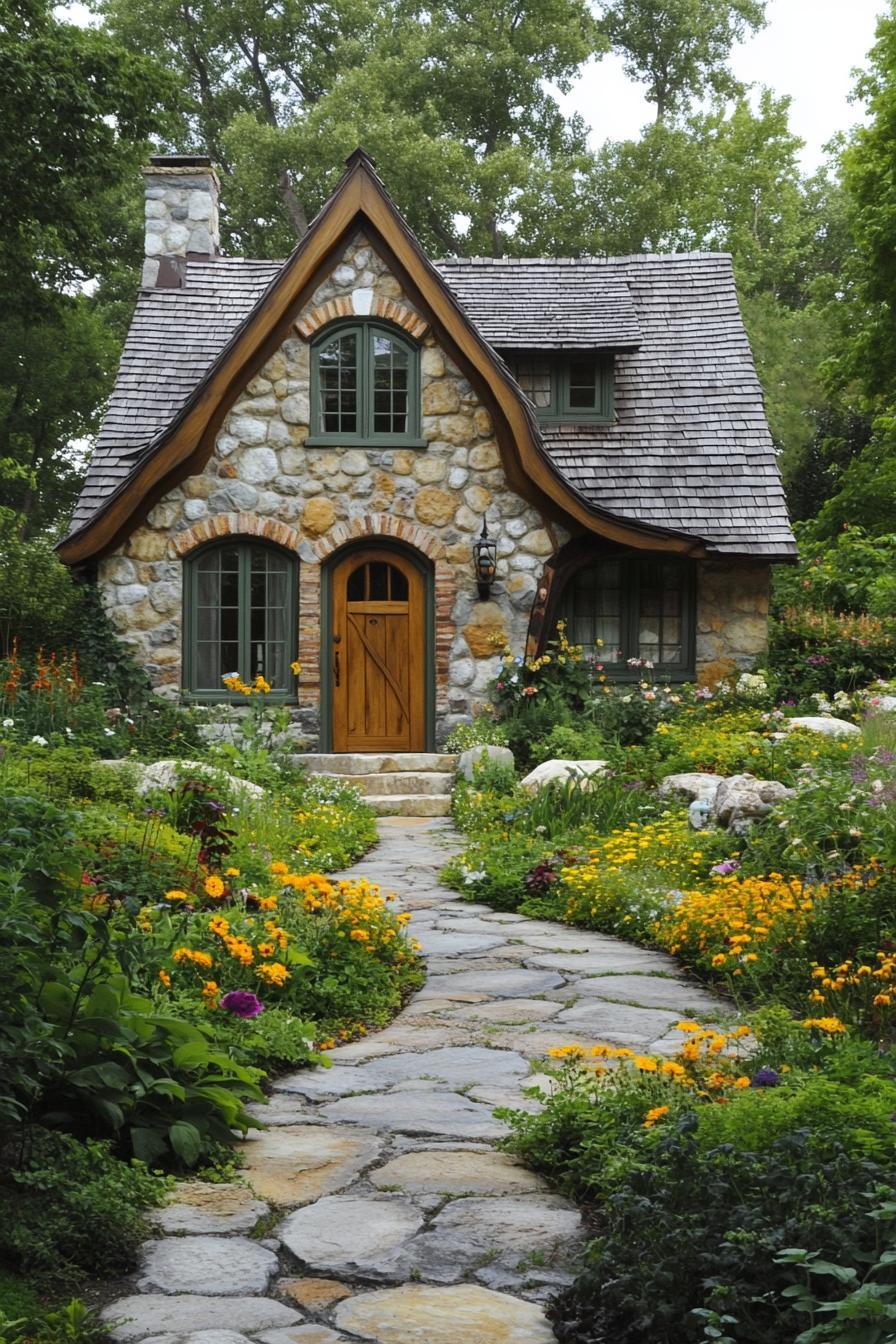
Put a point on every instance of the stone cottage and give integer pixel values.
(385, 467)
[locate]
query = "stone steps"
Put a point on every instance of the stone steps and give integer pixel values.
(423, 782)
(410, 805)
(412, 784)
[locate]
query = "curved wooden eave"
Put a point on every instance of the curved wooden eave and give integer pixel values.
(359, 202)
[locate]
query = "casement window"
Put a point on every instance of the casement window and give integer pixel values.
(574, 387)
(365, 387)
(636, 610)
(240, 615)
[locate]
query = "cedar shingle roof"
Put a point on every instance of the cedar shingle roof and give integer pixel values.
(690, 450)
(540, 304)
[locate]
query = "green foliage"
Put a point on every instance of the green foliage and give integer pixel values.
(637, 1283)
(74, 1323)
(73, 1206)
(852, 572)
(482, 731)
(819, 653)
(679, 50)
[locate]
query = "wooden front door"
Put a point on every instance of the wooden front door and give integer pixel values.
(377, 654)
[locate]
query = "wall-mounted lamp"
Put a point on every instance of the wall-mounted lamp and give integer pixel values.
(485, 559)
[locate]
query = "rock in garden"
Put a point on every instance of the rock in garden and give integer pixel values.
(828, 727)
(419, 1113)
(225, 1266)
(563, 771)
(483, 755)
(695, 787)
(465, 1314)
(169, 775)
(742, 799)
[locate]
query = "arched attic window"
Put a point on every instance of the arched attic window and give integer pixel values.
(365, 386)
(633, 609)
(240, 615)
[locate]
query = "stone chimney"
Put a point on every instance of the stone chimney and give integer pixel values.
(181, 193)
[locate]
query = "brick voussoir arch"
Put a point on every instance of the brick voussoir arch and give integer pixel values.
(344, 306)
(235, 525)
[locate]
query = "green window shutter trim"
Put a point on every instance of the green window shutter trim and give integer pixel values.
(278, 695)
(365, 433)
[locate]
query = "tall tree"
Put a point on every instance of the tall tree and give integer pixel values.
(450, 98)
(679, 49)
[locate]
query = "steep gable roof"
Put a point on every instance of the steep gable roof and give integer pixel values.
(689, 467)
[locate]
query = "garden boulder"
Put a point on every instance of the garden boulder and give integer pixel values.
(817, 723)
(168, 776)
(549, 771)
(483, 755)
(697, 787)
(882, 704)
(742, 799)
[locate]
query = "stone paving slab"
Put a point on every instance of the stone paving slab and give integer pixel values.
(381, 1169)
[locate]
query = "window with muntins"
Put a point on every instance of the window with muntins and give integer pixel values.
(365, 387)
(636, 610)
(240, 616)
(576, 388)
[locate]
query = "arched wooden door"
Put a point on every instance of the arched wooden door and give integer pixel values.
(378, 656)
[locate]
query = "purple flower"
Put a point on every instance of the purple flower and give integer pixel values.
(766, 1078)
(241, 1003)
(726, 868)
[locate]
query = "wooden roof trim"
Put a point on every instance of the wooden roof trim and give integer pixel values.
(360, 200)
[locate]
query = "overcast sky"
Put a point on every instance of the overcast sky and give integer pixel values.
(808, 50)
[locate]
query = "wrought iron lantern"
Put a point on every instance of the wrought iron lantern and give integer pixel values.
(485, 559)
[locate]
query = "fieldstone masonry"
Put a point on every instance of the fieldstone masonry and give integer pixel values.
(181, 212)
(264, 479)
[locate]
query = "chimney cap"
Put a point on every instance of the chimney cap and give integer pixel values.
(180, 161)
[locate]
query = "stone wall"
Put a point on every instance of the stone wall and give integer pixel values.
(732, 618)
(263, 479)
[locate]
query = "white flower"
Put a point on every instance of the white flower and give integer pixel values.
(472, 876)
(39, 741)
(9, 723)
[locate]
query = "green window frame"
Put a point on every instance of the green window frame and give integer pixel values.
(359, 389)
(573, 388)
(640, 608)
(240, 615)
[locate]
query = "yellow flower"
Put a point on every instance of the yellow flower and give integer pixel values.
(218, 926)
(742, 1081)
(214, 887)
(279, 868)
(273, 973)
(686, 1026)
(655, 1114)
(831, 1025)
(176, 895)
(231, 872)
(165, 978)
(210, 991)
(359, 935)
(296, 668)
(645, 1063)
(566, 1052)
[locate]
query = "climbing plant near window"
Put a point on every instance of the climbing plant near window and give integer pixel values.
(365, 387)
(240, 616)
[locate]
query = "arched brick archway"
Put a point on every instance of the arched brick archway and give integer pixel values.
(235, 525)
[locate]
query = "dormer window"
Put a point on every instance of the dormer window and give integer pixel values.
(574, 388)
(365, 387)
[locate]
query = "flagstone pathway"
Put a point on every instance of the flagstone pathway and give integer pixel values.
(385, 1211)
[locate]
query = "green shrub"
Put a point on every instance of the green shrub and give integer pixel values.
(571, 742)
(820, 651)
(483, 731)
(74, 1207)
